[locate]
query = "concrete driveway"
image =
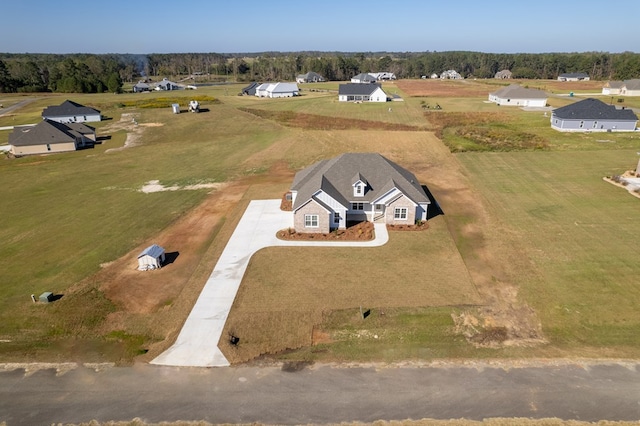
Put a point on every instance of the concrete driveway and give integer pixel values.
(197, 343)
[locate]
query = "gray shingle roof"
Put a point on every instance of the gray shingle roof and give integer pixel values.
(364, 77)
(358, 89)
(633, 84)
(336, 178)
(68, 108)
(515, 91)
(593, 109)
(45, 132)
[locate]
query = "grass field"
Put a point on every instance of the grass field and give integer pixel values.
(530, 231)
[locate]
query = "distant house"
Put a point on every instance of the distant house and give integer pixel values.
(277, 90)
(357, 92)
(515, 95)
(50, 136)
(593, 115)
(435, 75)
(631, 88)
(71, 112)
(450, 75)
(573, 76)
(355, 187)
(363, 78)
(612, 87)
(250, 89)
(310, 77)
(504, 74)
(166, 84)
(151, 258)
(381, 76)
(141, 86)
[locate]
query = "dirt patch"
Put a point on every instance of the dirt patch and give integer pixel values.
(129, 122)
(444, 88)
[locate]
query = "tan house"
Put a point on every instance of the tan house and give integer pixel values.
(356, 187)
(50, 137)
(516, 95)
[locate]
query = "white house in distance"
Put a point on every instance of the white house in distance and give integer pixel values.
(151, 258)
(71, 112)
(310, 77)
(573, 76)
(357, 92)
(277, 90)
(625, 88)
(516, 95)
(363, 78)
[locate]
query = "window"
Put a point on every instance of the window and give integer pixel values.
(357, 206)
(595, 124)
(379, 207)
(310, 220)
(400, 213)
(358, 189)
(581, 124)
(336, 217)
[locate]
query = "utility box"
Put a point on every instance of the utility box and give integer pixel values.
(46, 297)
(175, 108)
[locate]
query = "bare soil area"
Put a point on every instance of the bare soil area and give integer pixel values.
(443, 88)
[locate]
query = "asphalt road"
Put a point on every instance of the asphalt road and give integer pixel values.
(320, 394)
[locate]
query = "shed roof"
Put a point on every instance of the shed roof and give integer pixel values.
(593, 109)
(153, 250)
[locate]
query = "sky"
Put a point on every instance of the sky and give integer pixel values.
(250, 26)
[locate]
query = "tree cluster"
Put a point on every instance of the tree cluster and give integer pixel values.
(85, 73)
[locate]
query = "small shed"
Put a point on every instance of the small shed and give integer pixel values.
(175, 108)
(46, 297)
(151, 258)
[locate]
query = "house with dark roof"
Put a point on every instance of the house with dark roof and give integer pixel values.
(356, 92)
(310, 77)
(167, 84)
(516, 95)
(50, 136)
(71, 112)
(573, 76)
(356, 187)
(593, 115)
(363, 78)
(141, 86)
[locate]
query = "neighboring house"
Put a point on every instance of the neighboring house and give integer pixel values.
(151, 258)
(250, 90)
(630, 88)
(504, 74)
(166, 84)
(451, 75)
(612, 87)
(71, 112)
(141, 86)
(379, 76)
(277, 90)
(356, 187)
(593, 115)
(310, 77)
(363, 78)
(435, 75)
(357, 92)
(515, 95)
(50, 137)
(573, 76)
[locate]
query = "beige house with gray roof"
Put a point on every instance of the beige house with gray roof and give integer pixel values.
(516, 95)
(49, 137)
(356, 187)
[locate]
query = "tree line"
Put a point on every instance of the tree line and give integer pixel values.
(90, 73)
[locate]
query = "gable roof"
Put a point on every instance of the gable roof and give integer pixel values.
(358, 88)
(336, 178)
(593, 109)
(515, 91)
(364, 77)
(68, 108)
(153, 250)
(46, 132)
(633, 84)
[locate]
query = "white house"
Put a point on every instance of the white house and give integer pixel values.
(277, 90)
(310, 77)
(71, 112)
(631, 87)
(357, 92)
(515, 95)
(166, 84)
(363, 78)
(451, 75)
(383, 75)
(573, 76)
(151, 258)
